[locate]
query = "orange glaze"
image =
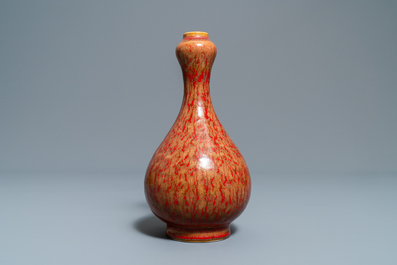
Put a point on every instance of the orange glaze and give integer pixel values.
(197, 180)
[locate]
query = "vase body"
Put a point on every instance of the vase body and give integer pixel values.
(197, 181)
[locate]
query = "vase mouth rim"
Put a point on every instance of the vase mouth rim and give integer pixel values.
(195, 35)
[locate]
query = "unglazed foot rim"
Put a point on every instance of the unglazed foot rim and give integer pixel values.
(198, 235)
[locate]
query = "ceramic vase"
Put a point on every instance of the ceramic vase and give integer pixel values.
(197, 181)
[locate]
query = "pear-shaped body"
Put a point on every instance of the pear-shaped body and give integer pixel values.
(197, 181)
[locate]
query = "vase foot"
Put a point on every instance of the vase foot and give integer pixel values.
(198, 235)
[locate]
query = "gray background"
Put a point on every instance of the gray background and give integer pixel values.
(293, 219)
(306, 89)
(300, 86)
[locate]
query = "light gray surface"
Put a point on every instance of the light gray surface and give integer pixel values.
(291, 219)
(300, 86)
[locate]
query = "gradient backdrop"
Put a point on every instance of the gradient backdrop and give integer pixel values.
(300, 86)
(306, 89)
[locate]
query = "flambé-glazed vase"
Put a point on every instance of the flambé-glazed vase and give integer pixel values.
(197, 180)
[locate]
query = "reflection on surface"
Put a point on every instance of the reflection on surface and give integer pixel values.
(200, 111)
(205, 162)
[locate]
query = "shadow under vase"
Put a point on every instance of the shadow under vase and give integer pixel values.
(152, 226)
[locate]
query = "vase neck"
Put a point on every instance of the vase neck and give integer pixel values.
(196, 55)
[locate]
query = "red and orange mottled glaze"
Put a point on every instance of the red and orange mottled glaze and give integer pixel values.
(197, 181)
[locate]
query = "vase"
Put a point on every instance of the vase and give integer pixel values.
(197, 181)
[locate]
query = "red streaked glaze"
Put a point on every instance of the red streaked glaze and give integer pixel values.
(198, 235)
(195, 38)
(197, 181)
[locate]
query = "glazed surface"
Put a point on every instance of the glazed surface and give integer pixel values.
(197, 177)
